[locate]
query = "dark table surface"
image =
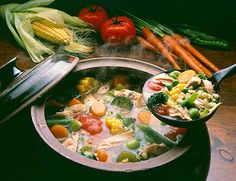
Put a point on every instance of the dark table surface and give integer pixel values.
(24, 156)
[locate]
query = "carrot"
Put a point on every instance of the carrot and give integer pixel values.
(101, 155)
(182, 41)
(190, 60)
(144, 117)
(73, 101)
(146, 44)
(158, 44)
(59, 131)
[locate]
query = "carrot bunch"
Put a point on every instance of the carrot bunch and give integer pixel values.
(170, 45)
(171, 42)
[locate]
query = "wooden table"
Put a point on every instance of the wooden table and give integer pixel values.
(222, 127)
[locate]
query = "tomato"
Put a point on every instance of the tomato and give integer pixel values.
(90, 123)
(95, 15)
(157, 86)
(174, 131)
(118, 30)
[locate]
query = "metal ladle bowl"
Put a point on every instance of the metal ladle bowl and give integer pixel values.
(178, 122)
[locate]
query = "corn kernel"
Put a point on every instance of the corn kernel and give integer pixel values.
(175, 96)
(85, 82)
(81, 88)
(177, 90)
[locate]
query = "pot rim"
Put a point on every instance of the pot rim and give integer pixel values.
(38, 117)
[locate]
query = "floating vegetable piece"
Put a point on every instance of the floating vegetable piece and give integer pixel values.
(185, 76)
(73, 101)
(59, 131)
(133, 144)
(75, 125)
(156, 136)
(126, 156)
(115, 125)
(144, 117)
(87, 84)
(120, 80)
(123, 102)
(52, 122)
(98, 109)
(102, 156)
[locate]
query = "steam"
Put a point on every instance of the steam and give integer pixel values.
(135, 52)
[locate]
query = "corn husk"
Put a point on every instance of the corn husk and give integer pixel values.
(19, 18)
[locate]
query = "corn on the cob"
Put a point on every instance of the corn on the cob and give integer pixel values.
(51, 32)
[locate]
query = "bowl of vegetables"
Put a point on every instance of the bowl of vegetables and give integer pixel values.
(97, 117)
(184, 98)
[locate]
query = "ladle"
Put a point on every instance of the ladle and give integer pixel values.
(178, 122)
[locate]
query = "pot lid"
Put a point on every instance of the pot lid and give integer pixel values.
(33, 83)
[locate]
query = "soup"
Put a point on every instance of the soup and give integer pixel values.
(106, 119)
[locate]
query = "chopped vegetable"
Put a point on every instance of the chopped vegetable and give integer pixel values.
(126, 156)
(133, 144)
(158, 98)
(189, 102)
(120, 80)
(102, 156)
(144, 117)
(185, 76)
(88, 151)
(91, 124)
(115, 125)
(87, 84)
(52, 122)
(122, 102)
(73, 101)
(157, 137)
(75, 125)
(98, 109)
(59, 131)
(127, 122)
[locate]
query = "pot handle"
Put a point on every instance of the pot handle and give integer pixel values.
(224, 73)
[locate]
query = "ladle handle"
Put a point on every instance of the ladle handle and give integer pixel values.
(224, 73)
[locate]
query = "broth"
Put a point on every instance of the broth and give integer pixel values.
(102, 116)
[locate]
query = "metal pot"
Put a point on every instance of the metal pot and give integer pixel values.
(103, 66)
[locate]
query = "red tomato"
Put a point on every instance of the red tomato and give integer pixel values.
(174, 131)
(118, 30)
(157, 86)
(90, 123)
(95, 15)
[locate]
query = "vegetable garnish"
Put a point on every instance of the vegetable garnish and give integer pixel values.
(39, 30)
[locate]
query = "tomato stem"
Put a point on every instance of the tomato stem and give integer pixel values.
(93, 9)
(116, 21)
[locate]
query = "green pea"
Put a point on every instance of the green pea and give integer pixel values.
(194, 113)
(175, 83)
(185, 90)
(173, 76)
(169, 86)
(133, 144)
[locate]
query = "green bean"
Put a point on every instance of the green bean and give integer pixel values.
(157, 137)
(133, 144)
(52, 122)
